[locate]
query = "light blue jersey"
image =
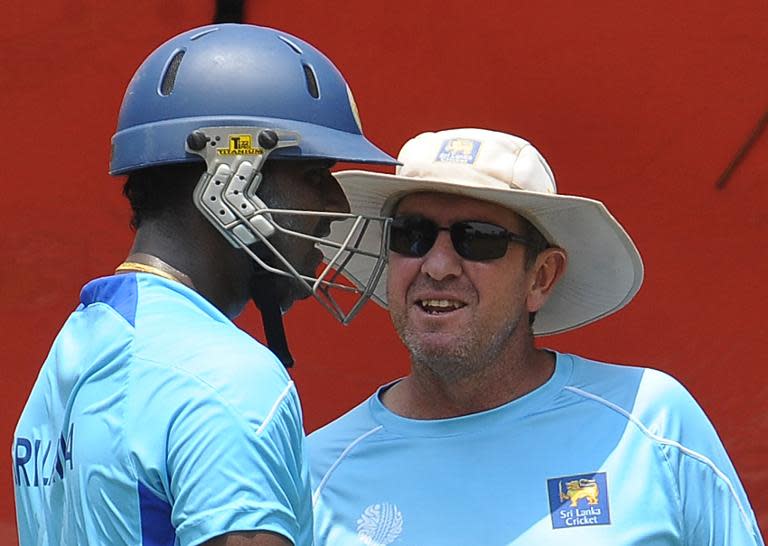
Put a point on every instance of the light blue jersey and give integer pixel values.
(156, 421)
(600, 455)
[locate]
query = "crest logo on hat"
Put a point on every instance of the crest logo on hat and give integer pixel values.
(458, 150)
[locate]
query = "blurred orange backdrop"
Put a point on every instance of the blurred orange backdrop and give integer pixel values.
(641, 105)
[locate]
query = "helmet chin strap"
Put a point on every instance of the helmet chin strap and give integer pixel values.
(266, 299)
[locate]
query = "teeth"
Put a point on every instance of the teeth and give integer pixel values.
(441, 304)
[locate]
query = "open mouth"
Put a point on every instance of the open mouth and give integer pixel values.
(439, 307)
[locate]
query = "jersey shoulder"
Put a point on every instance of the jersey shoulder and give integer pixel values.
(653, 400)
(178, 328)
(327, 444)
(631, 387)
(179, 348)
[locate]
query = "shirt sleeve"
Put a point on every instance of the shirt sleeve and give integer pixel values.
(713, 503)
(233, 460)
(715, 509)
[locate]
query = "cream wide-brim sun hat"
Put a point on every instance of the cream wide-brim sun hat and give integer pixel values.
(604, 269)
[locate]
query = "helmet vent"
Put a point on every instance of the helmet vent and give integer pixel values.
(169, 77)
(292, 45)
(312, 86)
(205, 32)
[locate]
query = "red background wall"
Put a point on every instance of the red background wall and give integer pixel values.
(641, 105)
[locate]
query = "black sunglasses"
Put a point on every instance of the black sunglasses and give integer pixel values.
(473, 240)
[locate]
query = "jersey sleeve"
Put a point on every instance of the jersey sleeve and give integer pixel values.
(713, 504)
(234, 460)
(714, 507)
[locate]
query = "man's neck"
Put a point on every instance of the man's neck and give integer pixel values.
(198, 255)
(149, 263)
(424, 395)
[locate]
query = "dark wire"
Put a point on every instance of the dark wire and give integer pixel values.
(229, 11)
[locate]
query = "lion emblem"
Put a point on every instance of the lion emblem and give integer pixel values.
(580, 489)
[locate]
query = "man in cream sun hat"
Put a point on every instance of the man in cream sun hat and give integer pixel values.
(490, 440)
(604, 268)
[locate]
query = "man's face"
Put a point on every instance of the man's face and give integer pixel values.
(456, 315)
(299, 185)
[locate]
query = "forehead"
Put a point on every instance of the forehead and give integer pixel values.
(297, 165)
(446, 207)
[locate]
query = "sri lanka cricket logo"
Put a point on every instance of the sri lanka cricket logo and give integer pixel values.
(458, 150)
(578, 501)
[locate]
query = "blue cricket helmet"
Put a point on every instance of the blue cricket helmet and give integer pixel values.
(237, 75)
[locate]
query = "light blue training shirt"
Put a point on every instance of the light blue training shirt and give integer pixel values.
(155, 421)
(600, 455)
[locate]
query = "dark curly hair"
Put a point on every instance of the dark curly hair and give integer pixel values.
(157, 191)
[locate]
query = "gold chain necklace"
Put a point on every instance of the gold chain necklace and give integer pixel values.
(161, 269)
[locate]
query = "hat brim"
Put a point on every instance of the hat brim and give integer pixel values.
(604, 269)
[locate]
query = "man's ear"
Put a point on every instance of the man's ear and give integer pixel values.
(549, 266)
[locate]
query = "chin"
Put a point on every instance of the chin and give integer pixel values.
(234, 310)
(449, 367)
(291, 292)
(431, 350)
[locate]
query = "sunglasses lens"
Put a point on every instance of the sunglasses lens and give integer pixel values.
(412, 236)
(479, 241)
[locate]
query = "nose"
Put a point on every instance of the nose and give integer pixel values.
(442, 261)
(333, 196)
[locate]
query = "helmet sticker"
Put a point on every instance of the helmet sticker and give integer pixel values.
(240, 145)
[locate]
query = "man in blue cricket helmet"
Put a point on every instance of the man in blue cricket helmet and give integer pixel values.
(155, 420)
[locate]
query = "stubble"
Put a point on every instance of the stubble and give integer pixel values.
(469, 354)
